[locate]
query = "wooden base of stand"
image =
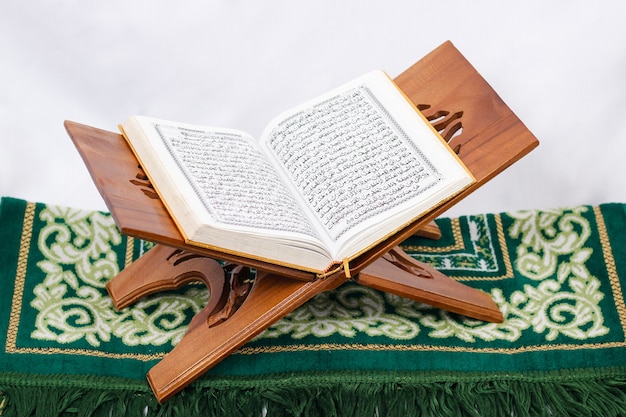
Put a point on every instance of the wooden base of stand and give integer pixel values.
(240, 308)
(483, 131)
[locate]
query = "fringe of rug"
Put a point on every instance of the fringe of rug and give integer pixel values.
(323, 397)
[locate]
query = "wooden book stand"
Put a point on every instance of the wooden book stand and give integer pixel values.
(484, 132)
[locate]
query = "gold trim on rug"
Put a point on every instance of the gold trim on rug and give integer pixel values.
(420, 348)
(90, 353)
(20, 275)
(457, 237)
(611, 269)
(459, 245)
(506, 259)
(130, 243)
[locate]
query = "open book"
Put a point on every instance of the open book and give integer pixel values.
(325, 181)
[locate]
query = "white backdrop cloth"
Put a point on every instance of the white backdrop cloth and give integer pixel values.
(561, 66)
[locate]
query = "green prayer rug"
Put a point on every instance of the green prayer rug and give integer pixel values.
(555, 274)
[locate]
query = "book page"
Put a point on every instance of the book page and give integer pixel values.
(351, 160)
(232, 180)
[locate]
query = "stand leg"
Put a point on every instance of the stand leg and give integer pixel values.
(163, 268)
(430, 231)
(238, 308)
(398, 273)
(203, 346)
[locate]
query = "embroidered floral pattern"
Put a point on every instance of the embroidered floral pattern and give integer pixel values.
(550, 242)
(345, 311)
(561, 299)
(80, 258)
(552, 249)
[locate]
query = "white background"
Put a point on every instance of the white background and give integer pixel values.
(560, 65)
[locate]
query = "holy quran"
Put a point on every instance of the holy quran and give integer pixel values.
(326, 180)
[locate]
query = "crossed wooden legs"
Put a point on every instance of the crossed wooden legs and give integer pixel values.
(239, 307)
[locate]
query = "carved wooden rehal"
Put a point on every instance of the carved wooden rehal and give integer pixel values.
(477, 124)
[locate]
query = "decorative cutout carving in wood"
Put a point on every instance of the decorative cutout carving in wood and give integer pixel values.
(143, 182)
(164, 268)
(401, 260)
(449, 125)
(237, 286)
